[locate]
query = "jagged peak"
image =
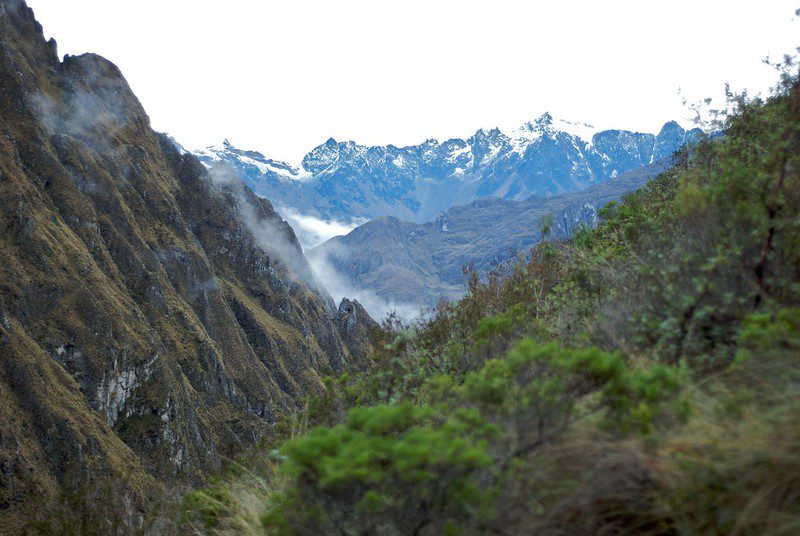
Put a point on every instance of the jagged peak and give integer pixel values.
(545, 119)
(671, 126)
(547, 124)
(533, 130)
(266, 166)
(483, 133)
(454, 141)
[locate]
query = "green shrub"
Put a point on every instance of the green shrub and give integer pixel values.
(388, 467)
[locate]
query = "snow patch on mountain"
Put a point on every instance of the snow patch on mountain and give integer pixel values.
(458, 151)
(244, 159)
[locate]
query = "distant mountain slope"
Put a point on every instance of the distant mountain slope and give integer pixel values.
(154, 317)
(346, 181)
(409, 263)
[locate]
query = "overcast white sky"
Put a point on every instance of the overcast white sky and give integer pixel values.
(282, 77)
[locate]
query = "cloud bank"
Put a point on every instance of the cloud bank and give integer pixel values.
(340, 286)
(312, 231)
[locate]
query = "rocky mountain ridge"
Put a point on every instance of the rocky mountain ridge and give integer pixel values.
(345, 181)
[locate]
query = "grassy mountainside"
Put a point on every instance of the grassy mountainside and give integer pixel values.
(153, 319)
(642, 378)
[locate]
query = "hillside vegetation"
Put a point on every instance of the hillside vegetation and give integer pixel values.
(642, 378)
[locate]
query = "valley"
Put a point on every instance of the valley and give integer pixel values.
(415, 216)
(556, 330)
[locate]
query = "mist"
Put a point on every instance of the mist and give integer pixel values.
(85, 115)
(312, 231)
(274, 237)
(340, 286)
(315, 269)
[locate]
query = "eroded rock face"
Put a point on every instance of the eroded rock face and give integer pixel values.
(355, 325)
(152, 317)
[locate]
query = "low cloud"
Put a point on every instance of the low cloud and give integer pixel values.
(339, 286)
(95, 104)
(312, 231)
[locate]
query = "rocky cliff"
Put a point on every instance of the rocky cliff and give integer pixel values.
(155, 317)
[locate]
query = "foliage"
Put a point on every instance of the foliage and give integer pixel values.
(397, 468)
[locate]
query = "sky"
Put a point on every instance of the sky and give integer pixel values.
(281, 77)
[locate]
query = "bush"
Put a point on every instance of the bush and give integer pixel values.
(388, 469)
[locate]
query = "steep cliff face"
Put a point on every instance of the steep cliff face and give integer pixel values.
(153, 316)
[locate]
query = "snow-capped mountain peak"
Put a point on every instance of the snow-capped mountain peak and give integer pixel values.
(533, 130)
(251, 162)
(545, 156)
(547, 124)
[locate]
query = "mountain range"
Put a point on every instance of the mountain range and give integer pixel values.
(423, 212)
(345, 181)
(157, 316)
(409, 266)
